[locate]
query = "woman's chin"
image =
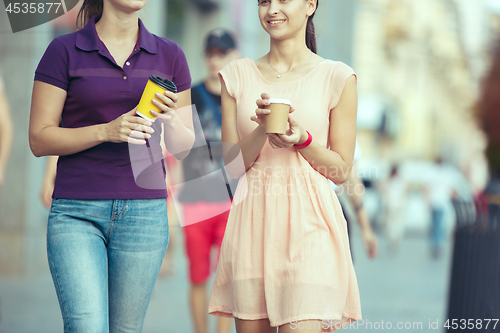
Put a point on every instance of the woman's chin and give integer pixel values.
(279, 36)
(132, 6)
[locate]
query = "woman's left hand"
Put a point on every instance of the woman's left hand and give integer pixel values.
(370, 243)
(296, 135)
(167, 103)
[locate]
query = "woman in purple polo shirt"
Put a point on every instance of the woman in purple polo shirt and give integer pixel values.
(107, 233)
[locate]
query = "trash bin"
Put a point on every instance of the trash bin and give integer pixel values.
(474, 291)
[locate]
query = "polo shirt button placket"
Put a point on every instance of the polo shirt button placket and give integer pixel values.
(126, 78)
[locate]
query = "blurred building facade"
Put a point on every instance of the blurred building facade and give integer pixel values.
(420, 65)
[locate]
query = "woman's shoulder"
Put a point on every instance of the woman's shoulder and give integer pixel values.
(337, 72)
(240, 63)
(238, 66)
(65, 40)
(168, 45)
(61, 47)
(337, 66)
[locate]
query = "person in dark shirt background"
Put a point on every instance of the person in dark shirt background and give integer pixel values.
(205, 197)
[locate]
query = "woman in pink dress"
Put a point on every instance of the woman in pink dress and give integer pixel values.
(285, 260)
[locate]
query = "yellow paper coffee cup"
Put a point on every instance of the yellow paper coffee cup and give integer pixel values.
(155, 85)
(277, 120)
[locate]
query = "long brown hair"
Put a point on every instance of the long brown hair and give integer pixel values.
(89, 9)
(311, 31)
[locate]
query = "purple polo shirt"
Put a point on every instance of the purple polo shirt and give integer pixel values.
(99, 91)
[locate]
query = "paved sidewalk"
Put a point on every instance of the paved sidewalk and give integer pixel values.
(404, 287)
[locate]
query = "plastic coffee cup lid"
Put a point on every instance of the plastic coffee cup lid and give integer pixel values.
(280, 101)
(164, 83)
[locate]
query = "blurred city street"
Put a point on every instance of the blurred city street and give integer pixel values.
(407, 286)
(427, 159)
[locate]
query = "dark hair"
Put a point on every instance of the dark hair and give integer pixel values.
(311, 31)
(489, 116)
(89, 8)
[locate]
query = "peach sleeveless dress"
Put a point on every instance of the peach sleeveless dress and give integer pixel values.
(285, 253)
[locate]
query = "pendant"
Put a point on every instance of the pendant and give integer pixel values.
(279, 76)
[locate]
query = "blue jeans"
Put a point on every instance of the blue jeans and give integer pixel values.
(104, 257)
(438, 229)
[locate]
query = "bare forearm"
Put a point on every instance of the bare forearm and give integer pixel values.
(327, 162)
(66, 141)
(178, 139)
(252, 145)
(356, 191)
(240, 157)
(363, 220)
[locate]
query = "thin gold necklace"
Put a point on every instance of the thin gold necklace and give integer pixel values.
(279, 74)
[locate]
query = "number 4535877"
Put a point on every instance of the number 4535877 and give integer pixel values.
(470, 323)
(33, 8)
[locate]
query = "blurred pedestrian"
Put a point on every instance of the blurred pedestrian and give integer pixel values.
(355, 190)
(6, 132)
(106, 236)
(168, 267)
(285, 255)
(203, 232)
(395, 203)
(351, 196)
(440, 191)
(489, 118)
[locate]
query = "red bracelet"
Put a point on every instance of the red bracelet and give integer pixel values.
(305, 144)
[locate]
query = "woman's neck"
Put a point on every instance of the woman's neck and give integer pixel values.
(115, 26)
(288, 53)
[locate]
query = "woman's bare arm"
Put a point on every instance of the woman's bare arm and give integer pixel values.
(178, 127)
(49, 178)
(47, 138)
(251, 145)
(336, 163)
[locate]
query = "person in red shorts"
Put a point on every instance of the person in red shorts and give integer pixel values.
(206, 194)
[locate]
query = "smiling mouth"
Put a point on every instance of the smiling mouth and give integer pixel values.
(275, 22)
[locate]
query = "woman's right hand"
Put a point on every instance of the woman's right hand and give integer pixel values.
(129, 128)
(262, 110)
(46, 194)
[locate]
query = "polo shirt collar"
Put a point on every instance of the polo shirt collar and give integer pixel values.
(88, 40)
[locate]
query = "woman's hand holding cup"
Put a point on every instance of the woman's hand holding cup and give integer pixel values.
(295, 135)
(292, 135)
(129, 128)
(167, 103)
(262, 110)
